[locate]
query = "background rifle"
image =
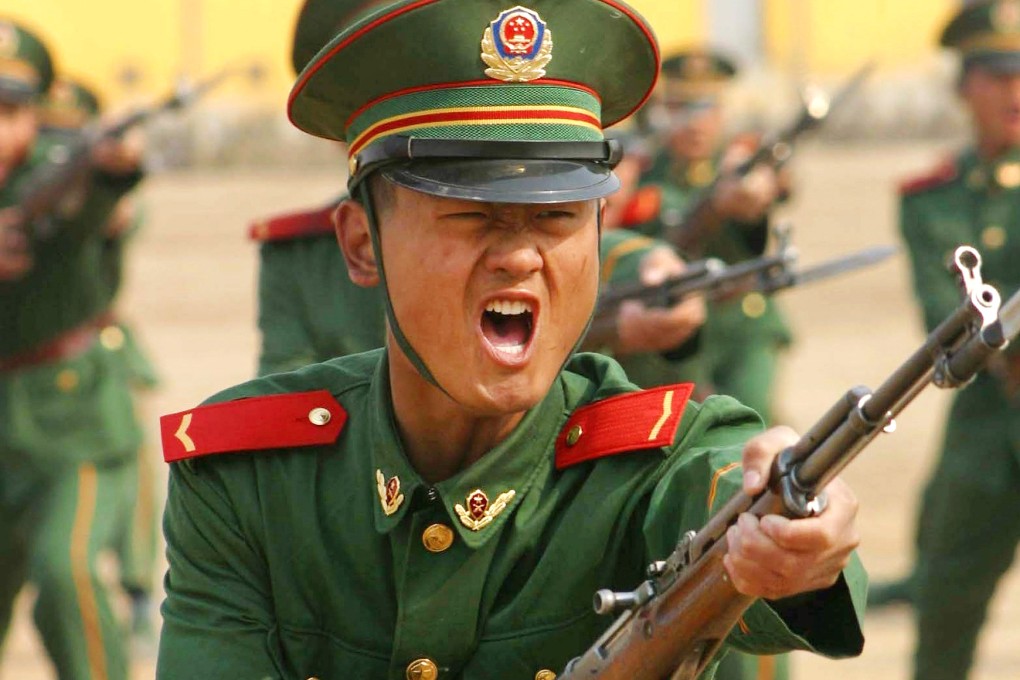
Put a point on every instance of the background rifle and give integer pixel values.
(701, 220)
(676, 621)
(44, 188)
(716, 280)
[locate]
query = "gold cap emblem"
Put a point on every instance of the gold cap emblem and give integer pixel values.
(389, 493)
(479, 512)
(517, 46)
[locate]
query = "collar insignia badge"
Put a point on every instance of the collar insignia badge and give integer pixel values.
(479, 512)
(389, 493)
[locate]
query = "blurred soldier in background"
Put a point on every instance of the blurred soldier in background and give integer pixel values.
(970, 519)
(309, 310)
(742, 338)
(69, 437)
(69, 107)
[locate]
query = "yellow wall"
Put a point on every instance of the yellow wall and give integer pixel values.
(836, 35)
(99, 40)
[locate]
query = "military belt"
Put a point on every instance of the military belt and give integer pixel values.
(66, 345)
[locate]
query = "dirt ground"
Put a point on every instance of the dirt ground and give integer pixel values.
(192, 295)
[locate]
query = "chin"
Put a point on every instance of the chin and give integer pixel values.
(514, 395)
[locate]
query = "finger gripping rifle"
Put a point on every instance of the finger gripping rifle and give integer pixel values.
(43, 189)
(674, 622)
(698, 223)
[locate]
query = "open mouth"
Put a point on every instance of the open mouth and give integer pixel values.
(507, 326)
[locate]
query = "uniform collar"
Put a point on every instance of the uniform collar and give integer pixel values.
(999, 173)
(480, 499)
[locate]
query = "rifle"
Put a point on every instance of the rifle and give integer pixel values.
(767, 274)
(43, 189)
(676, 620)
(701, 220)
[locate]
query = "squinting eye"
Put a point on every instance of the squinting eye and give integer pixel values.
(555, 214)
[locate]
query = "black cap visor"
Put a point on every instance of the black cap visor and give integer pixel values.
(506, 181)
(14, 91)
(494, 172)
(1003, 63)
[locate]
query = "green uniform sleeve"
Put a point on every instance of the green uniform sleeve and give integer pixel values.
(934, 286)
(286, 341)
(699, 478)
(217, 616)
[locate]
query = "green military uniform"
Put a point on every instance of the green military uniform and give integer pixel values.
(69, 431)
(313, 547)
(70, 105)
(291, 563)
(970, 525)
(309, 310)
(742, 338)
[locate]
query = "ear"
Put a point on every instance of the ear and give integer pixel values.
(352, 233)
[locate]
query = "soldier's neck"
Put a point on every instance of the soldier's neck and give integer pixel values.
(440, 437)
(993, 149)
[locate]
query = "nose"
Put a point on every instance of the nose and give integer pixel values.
(514, 254)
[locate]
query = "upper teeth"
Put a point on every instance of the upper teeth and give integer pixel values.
(508, 307)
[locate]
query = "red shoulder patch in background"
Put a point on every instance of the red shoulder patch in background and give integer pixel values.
(294, 225)
(944, 173)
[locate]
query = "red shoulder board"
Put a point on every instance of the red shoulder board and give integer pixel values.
(944, 173)
(253, 424)
(628, 422)
(643, 207)
(295, 225)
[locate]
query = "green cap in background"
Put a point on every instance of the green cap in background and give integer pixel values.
(69, 105)
(26, 68)
(482, 99)
(695, 74)
(986, 34)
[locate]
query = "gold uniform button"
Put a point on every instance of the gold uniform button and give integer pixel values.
(545, 674)
(319, 416)
(993, 237)
(422, 669)
(753, 305)
(437, 538)
(67, 380)
(112, 338)
(574, 435)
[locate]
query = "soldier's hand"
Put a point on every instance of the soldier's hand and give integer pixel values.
(747, 198)
(15, 259)
(120, 156)
(652, 329)
(777, 557)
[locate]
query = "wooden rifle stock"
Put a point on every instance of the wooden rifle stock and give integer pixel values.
(674, 622)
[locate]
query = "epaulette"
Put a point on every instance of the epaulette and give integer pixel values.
(944, 173)
(633, 421)
(643, 207)
(293, 225)
(257, 423)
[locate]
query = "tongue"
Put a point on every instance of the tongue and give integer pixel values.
(504, 330)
